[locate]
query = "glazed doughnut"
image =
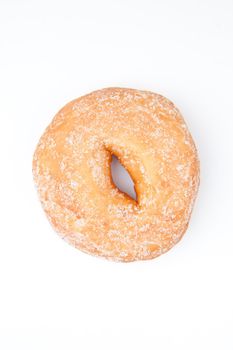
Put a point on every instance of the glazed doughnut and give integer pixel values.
(72, 172)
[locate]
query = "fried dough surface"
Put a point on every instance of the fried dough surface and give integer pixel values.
(71, 168)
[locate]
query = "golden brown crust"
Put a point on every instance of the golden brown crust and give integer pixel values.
(71, 169)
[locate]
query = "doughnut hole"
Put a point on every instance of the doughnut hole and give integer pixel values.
(122, 179)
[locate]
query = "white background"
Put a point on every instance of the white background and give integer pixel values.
(51, 295)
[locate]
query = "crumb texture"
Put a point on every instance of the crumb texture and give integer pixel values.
(71, 169)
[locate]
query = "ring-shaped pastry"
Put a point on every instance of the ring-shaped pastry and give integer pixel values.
(71, 167)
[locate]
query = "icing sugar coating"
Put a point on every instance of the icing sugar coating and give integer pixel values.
(71, 169)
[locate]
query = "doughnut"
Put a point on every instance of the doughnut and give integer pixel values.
(72, 173)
